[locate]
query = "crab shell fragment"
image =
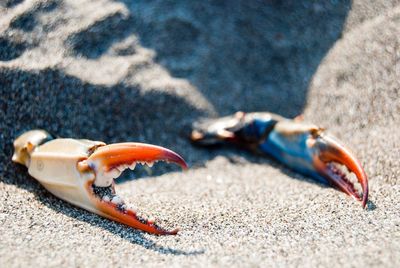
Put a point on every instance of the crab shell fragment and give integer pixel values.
(82, 172)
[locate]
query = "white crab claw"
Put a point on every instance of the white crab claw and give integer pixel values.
(82, 172)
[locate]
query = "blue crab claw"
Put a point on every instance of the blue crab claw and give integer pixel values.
(303, 147)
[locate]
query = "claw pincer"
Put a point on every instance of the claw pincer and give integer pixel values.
(303, 147)
(82, 172)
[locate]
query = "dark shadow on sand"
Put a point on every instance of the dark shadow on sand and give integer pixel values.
(241, 55)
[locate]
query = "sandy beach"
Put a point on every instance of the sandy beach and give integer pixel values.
(142, 71)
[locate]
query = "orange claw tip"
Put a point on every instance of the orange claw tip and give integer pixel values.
(171, 156)
(333, 151)
(117, 154)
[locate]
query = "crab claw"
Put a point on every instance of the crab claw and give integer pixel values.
(303, 147)
(329, 153)
(108, 162)
(308, 149)
(82, 172)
